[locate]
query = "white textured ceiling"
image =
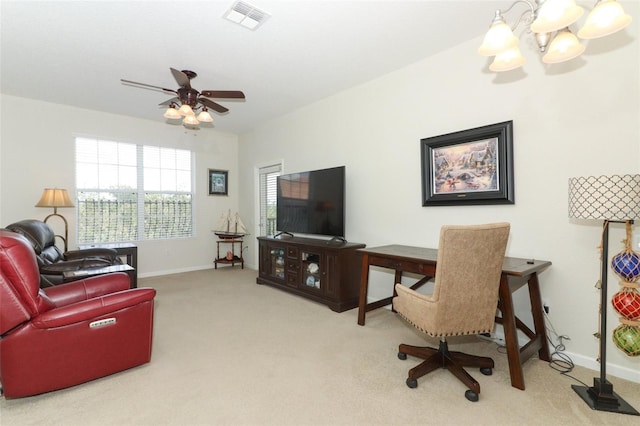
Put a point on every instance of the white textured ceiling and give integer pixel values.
(76, 52)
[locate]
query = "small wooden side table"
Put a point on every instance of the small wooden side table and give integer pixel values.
(235, 258)
(129, 250)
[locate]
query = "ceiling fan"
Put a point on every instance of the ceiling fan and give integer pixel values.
(188, 100)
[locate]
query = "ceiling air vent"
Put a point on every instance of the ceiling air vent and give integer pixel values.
(244, 14)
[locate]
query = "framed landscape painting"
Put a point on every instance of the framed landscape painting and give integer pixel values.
(473, 166)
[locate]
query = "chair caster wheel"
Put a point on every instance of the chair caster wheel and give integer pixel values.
(486, 371)
(402, 355)
(471, 395)
(412, 383)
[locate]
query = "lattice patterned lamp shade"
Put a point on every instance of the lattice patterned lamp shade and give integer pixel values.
(605, 197)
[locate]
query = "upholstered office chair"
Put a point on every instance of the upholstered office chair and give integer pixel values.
(65, 335)
(52, 262)
(464, 300)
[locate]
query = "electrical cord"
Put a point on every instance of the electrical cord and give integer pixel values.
(560, 361)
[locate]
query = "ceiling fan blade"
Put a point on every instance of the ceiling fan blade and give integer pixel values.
(226, 94)
(181, 78)
(170, 101)
(135, 83)
(214, 106)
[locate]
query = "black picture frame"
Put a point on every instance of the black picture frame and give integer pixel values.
(218, 182)
(469, 167)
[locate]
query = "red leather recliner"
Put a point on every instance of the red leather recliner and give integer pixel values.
(68, 334)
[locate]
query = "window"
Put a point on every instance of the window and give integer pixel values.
(129, 192)
(268, 201)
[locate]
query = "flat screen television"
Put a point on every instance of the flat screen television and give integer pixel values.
(312, 202)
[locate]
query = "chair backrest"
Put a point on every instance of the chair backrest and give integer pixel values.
(470, 259)
(20, 296)
(42, 239)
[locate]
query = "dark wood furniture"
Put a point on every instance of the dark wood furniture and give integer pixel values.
(234, 258)
(327, 272)
(127, 250)
(516, 273)
(86, 273)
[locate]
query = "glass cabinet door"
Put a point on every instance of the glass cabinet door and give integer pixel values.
(277, 263)
(311, 271)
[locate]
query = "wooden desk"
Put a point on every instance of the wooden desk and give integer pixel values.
(516, 272)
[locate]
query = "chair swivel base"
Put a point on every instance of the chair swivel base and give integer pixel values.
(452, 361)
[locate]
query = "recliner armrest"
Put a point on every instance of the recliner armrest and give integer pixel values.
(93, 309)
(88, 288)
(74, 265)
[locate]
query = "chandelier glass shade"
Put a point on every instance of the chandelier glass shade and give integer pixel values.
(565, 46)
(549, 21)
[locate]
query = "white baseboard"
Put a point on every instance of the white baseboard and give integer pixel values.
(583, 361)
(612, 369)
(174, 271)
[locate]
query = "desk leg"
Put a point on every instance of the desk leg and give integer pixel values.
(510, 334)
(364, 287)
(538, 318)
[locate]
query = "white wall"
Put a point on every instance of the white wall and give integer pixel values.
(575, 119)
(40, 153)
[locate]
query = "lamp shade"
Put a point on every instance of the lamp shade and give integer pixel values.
(565, 46)
(556, 14)
(606, 18)
(190, 120)
(185, 110)
(172, 113)
(54, 197)
(615, 197)
(498, 39)
(507, 60)
(204, 116)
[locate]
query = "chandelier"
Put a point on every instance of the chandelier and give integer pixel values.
(549, 21)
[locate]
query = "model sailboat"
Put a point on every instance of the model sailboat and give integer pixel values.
(230, 227)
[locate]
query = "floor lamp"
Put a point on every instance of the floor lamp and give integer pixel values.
(54, 197)
(612, 199)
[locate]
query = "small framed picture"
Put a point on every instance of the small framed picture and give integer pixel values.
(218, 182)
(473, 166)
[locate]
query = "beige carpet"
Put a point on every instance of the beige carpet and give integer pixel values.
(230, 352)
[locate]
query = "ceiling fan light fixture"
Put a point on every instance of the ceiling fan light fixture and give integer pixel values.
(181, 107)
(190, 120)
(204, 116)
(172, 113)
(185, 110)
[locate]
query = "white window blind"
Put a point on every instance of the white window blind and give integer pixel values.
(129, 192)
(268, 201)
